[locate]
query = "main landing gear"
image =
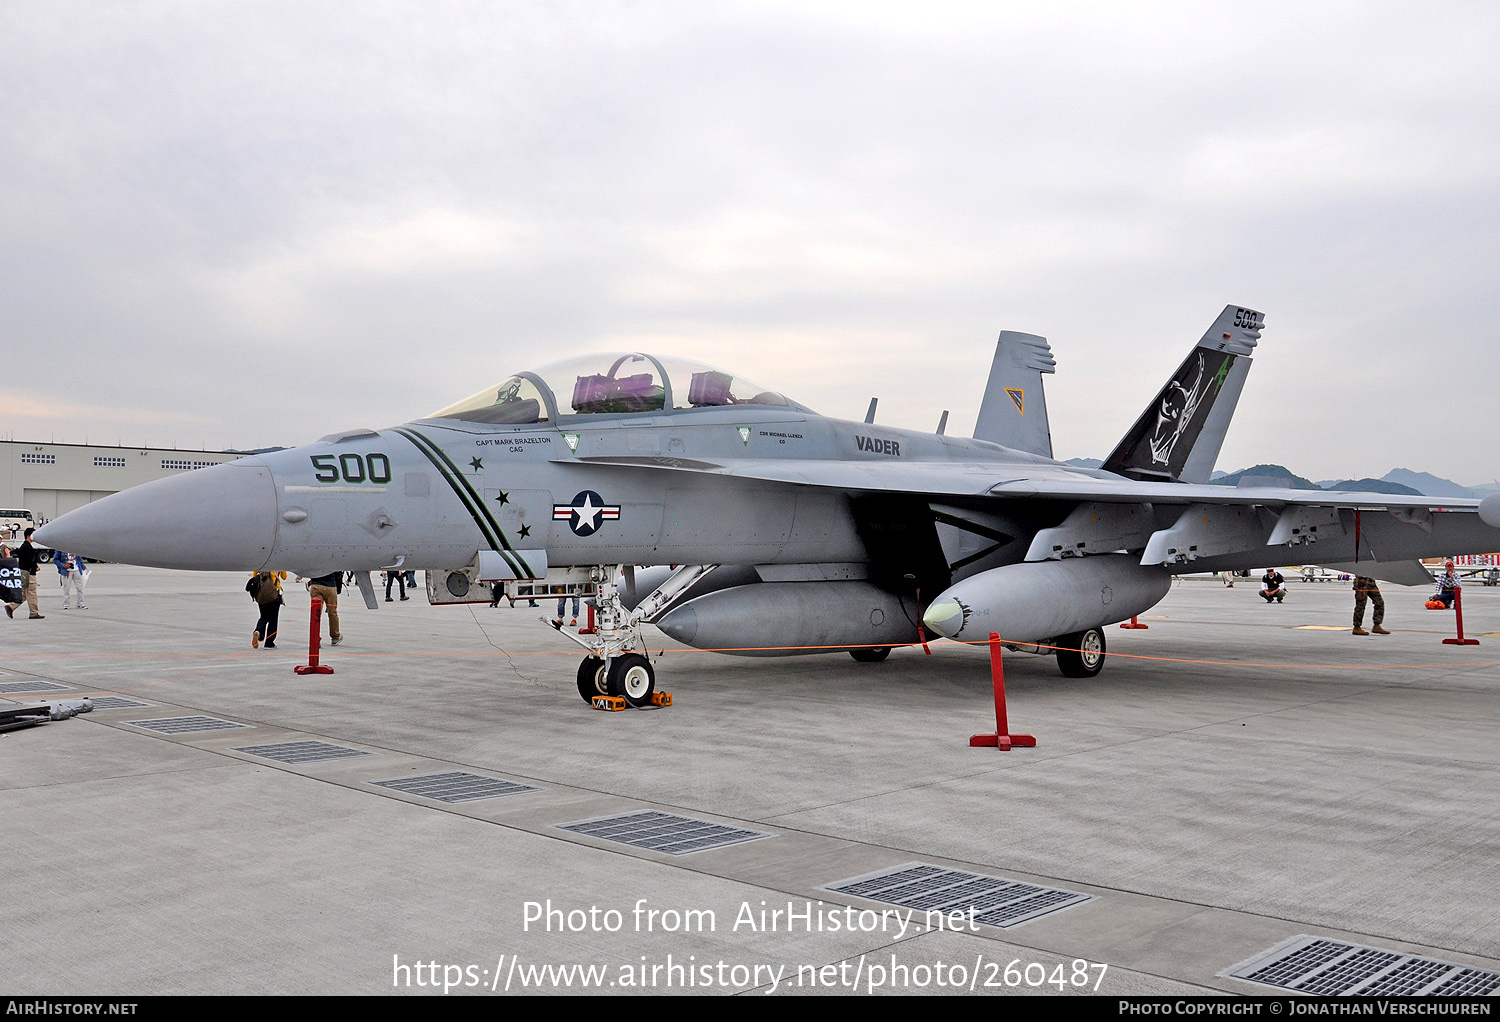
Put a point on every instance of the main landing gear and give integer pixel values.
(1081, 654)
(617, 664)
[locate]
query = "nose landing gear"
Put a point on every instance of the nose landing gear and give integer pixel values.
(614, 667)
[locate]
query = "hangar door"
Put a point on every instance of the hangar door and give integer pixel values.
(48, 504)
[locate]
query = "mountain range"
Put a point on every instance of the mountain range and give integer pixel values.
(1397, 480)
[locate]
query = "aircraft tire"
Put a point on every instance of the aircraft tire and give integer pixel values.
(632, 677)
(870, 654)
(591, 680)
(1082, 653)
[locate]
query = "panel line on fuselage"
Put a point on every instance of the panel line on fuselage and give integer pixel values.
(488, 527)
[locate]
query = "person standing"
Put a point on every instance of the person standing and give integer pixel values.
(267, 594)
(562, 602)
(10, 582)
(70, 570)
(326, 588)
(397, 577)
(1366, 589)
(27, 558)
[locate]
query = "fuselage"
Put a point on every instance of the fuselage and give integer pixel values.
(586, 489)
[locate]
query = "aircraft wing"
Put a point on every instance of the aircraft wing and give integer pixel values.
(1208, 526)
(979, 479)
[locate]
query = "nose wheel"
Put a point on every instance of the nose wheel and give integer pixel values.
(592, 678)
(629, 676)
(632, 677)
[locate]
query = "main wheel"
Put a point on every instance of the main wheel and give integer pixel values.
(591, 679)
(870, 654)
(632, 676)
(1081, 654)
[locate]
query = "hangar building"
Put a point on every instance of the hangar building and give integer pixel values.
(51, 479)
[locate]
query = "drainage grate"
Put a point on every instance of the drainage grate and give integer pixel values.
(301, 752)
(9, 687)
(116, 703)
(185, 725)
(454, 786)
(663, 832)
(993, 901)
(1316, 965)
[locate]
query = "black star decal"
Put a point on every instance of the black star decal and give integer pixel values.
(525, 531)
(504, 497)
(477, 463)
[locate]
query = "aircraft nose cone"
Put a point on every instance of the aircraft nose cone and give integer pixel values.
(945, 616)
(221, 518)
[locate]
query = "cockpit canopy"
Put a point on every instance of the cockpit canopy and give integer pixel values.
(614, 383)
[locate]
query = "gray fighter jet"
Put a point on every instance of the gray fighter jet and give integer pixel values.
(794, 533)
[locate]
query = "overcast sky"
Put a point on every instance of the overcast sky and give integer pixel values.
(246, 224)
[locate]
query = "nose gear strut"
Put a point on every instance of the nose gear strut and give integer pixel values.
(618, 663)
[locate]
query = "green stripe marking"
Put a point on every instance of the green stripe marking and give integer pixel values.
(488, 527)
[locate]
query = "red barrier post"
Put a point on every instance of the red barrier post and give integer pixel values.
(1133, 623)
(315, 636)
(590, 628)
(1002, 739)
(1458, 616)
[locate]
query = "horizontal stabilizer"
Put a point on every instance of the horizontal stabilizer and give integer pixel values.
(1402, 573)
(1014, 410)
(1178, 436)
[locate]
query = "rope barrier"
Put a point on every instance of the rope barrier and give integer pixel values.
(349, 654)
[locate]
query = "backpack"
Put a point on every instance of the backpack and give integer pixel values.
(266, 590)
(253, 587)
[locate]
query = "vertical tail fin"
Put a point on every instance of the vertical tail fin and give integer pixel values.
(1178, 436)
(1014, 409)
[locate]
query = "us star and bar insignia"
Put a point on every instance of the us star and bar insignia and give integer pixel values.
(585, 513)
